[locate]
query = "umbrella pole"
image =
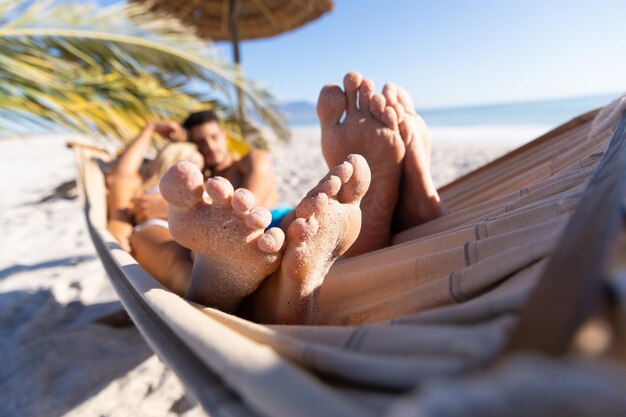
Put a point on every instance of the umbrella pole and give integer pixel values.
(235, 6)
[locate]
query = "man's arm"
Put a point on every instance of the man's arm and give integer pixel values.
(258, 177)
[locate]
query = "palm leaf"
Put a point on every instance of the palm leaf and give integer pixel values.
(107, 70)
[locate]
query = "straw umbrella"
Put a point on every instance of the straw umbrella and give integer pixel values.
(237, 20)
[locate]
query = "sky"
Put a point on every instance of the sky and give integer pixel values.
(450, 52)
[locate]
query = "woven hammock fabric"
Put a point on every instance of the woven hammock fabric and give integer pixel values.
(414, 326)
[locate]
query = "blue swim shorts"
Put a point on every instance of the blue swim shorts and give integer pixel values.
(278, 214)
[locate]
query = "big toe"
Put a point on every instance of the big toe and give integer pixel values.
(357, 185)
(331, 105)
(181, 185)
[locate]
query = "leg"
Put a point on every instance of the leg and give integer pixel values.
(121, 189)
(419, 201)
(370, 129)
(157, 252)
(233, 253)
(328, 221)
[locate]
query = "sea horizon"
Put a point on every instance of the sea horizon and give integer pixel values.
(514, 123)
(537, 113)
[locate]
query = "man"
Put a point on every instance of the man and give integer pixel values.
(253, 172)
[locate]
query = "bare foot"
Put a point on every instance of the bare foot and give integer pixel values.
(370, 128)
(233, 254)
(327, 222)
(419, 201)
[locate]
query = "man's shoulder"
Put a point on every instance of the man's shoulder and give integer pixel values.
(254, 159)
(256, 155)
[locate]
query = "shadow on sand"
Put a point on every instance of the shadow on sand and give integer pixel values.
(54, 357)
(69, 261)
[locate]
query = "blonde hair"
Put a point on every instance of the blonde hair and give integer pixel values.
(167, 157)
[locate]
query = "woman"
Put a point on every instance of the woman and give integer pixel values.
(150, 242)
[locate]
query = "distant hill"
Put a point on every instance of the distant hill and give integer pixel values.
(299, 113)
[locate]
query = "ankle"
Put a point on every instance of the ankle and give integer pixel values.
(370, 240)
(430, 208)
(417, 208)
(227, 303)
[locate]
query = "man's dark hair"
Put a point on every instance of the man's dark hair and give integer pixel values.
(199, 118)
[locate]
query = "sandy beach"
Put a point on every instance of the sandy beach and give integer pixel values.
(455, 151)
(56, 359)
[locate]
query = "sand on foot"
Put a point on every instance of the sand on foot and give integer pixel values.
(233, 253)
(327, 223)
(369, 129)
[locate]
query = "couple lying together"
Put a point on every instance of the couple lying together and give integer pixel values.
(213, 243)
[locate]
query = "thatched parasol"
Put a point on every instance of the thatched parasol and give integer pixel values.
(237, 20)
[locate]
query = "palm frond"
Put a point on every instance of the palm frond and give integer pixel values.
(109, 69)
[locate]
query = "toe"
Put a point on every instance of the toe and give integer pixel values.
(377, 106)
(329, 185)
(331, 105)
(300, 230)
(272, 240)
(258, 218)
(353, 191)
(220, 190)
(366, 91)
(390, 91)
(399, 109)
(242, 201)
(311, 205)
(405, 133)
(342, 171)
(181, 185)
(351, 83)
(405, 99)
(390, 118)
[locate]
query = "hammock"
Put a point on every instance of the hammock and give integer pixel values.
(433, 325)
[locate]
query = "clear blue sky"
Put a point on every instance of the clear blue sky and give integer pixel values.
(451, 52)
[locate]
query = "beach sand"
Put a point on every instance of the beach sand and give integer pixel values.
(55, 359)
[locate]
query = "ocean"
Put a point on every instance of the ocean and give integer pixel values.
(532, 113)
(510, 123)
(516, 123)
